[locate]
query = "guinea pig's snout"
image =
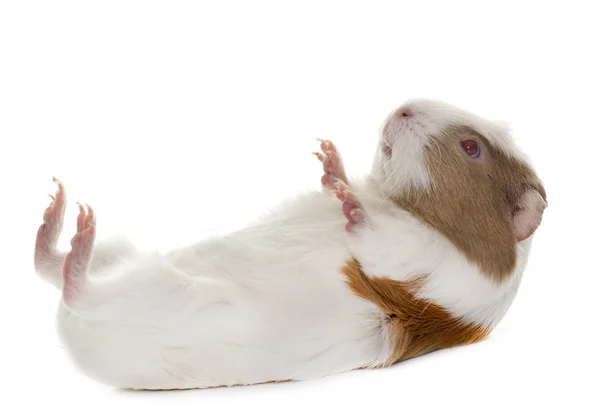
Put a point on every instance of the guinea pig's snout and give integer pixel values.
(404, 112)
(394, 126)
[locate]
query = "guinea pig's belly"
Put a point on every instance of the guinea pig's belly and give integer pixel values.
(125, 356)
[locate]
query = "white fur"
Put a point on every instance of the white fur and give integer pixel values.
(454, 282)
(269, 302)
(408, 137)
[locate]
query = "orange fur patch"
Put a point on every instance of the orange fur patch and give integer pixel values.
(418, 326)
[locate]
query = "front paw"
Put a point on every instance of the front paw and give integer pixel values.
(332, 164)
(351, 207)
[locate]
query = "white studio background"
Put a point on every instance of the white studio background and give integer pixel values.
(178, 120)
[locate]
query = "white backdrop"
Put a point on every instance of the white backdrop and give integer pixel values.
(177, 120)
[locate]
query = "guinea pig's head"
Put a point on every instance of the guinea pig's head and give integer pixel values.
(464, 176)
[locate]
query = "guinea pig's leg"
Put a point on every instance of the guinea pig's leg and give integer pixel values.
(48, 261)
(143, 288)
(332, 164)
(351, 207)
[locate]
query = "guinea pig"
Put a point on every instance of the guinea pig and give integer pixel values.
(426, 252)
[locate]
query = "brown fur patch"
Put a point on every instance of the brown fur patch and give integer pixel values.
(471, 201)
(418, 326)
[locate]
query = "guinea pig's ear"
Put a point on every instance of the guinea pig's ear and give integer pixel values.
(527, 215)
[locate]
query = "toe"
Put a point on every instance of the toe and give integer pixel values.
(81, 218)
(76, 241)
(327, 146)
(356, 215)
(320, 156)
(327, 180)
(90, 219)
(48, 212)
(347, 209)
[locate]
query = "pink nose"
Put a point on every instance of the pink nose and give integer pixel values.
(404, 111)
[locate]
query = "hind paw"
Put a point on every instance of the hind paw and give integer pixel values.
(79, 258)
(49, 232)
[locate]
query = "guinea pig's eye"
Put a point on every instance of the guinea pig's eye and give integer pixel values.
(471, 148)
